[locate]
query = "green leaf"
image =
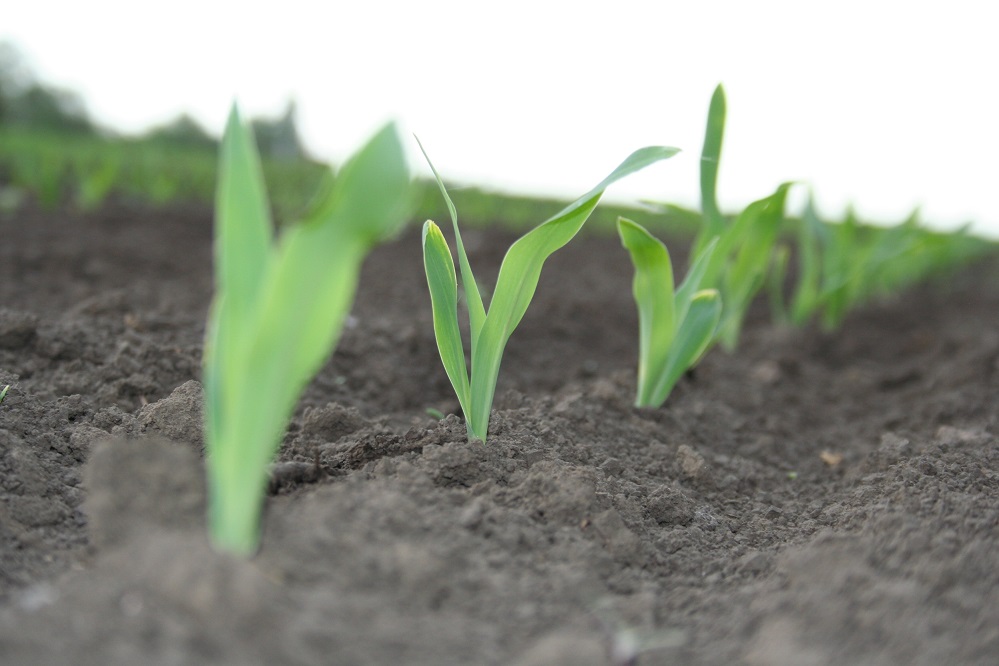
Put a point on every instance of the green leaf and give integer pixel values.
(694, 336)
(652, 288)
(762, 221)
(753, 237)
(714, 221)
(806, 295)
(370, 202)
(696, 278)
(476, 309)
(243, 233)
(243, 228)
(372, 195)
(266, 340)
(443, 284)
(299, 319)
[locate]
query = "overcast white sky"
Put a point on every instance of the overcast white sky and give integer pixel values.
(884, 104)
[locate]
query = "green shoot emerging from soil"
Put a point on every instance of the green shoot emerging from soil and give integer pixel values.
(279, 309)
(3, 392)
(746, 246)
(515, 286)
(674, 330)
(730, 262)
(743, 259)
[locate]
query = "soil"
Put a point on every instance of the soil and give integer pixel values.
(811, 499)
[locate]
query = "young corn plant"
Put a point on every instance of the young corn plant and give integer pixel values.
(279, 309)
(675, 330)
(3, 393)
(746, 246)
(744, 256)
(515, 286)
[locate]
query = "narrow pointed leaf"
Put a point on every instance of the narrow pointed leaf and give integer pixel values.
(243, 229)
(370, 201)
(652, 288)
(695, 334)
(521, 267)
(271, 364)
(476, 309)
(443, 284)
(755, 234)
(243, 233)
(714, 221)
(757, 243)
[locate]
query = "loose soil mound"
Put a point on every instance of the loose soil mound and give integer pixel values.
(811, 499)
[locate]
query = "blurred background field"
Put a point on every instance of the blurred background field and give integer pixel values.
(882, 107)
(53, 153)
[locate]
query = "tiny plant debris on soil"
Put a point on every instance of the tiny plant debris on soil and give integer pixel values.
(820, 496)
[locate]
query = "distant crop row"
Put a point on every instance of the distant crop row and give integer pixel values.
(83, 171)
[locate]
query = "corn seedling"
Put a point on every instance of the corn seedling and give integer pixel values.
(675, 330)
(743, 256)
(515, 286)
(3, 393)
(278, 310)
(743, 259)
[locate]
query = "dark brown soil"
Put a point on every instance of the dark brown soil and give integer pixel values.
(811, 499)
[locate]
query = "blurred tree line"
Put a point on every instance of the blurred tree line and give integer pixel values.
(27, 103)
